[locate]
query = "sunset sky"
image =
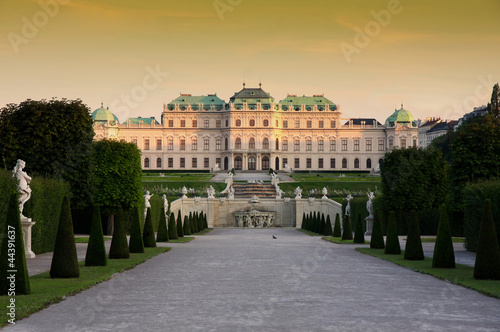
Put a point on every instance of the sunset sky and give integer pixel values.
(438, 58)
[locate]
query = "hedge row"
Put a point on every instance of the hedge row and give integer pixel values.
(8, 186)
(474, 196)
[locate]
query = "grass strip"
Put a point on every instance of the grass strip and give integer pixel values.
(339, 240)
(185, 239)
(433, 239)
(204, 232)
(308, 232)
(46, 291)
(461, 275)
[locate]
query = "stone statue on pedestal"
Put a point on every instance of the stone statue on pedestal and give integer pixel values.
(369, 204)
(23, 181)
(147, 204)
(348, 207)
(298, 193)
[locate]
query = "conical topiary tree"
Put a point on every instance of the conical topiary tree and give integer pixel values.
(136, 244)
(162, 235)
(336, 228)
(195, 222)
(180, 230)
(200, 222)
(205, 220)
(377, 239)
(322, 224)
(148, 234)
(328, 227)
(392, 246)
(172, 227)
(96, 252)
(119, 244)
(303, 221)
(359, 236)
(413, 248)
(444, 256)
(13, 235)
(65, 260)
(487, 265)
(347, 233)
(187, 226)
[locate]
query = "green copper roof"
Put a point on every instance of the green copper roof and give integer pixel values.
(186, 99)
(103, 115)
(308, 101)
(400, 116)
(142, 120)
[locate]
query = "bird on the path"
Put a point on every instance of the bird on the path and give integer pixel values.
(274, 237)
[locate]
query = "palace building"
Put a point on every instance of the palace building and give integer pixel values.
(254, 132)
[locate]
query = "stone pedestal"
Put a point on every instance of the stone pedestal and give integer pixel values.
(26, 225)
(369, 225)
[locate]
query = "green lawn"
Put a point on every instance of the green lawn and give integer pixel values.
(85, 239)
(177, 177)
(308, 232)
(184, 239)
(334, 188)
(461, 275)
(204, 232)
(46, 291)
(340, 241)
(334, 177)
(433, 239)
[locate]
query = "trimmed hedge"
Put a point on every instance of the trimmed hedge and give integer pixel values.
(136, 244)
(444, 255)
(487, 265)
(377, 238)
(413, 248)
(392, 246)
(359, 235)
(8, 186)
(119, 244)
(96, 252)
(336, 229)
(474, 197)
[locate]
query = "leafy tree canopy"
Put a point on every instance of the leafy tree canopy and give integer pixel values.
(494, 104)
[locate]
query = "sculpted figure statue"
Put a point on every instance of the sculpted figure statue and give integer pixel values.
(369, 204)
(348, 207)
(211, 192)
(147, 204)
(231, 193)
(165, 203)
(23, 184)
(298, 192)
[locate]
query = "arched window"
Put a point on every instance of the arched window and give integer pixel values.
(266, 123)
(251, 143)
(344, 163)
(146, 162)
(356, 163)
(237, 144)
(158, 163)
(265, 163)
(238, 163)
(368, 163)
(252, 123)
(380, 161)
(238, 123)
(251, 164)
(277, 144)
(265, 144)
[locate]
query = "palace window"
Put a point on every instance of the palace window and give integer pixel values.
(368, 145)
(297, 123)
(251, 143)
(368, 163)
(218, 123)
(266, 123)
(227, 123)
(332, 124)
(285, 124)
(265, 144)
(356, 145)
(158, 163)
(206, 144)
(206, 162)
(194, 163)
(285, 161)
(309, 124)
(320, 145)
(308, 163)
(226, 145)
(344, 163)
(333, 144)
(238, 123)
(158, 144)
(403, 142)
(320, 162)
(206, 123)
(194, 145)
(391, 143)
(297, 163)
(170, 162)
(296, 145)
(134, 140)
(170, 144)
(195, 123)
(183, 162)
(238, 163)
(414, 142)
(183, 145)
(218, 161)
(284, 144)
(356, 163)
(218, 144)
(344, 145)
(183, 123)
(252, 123)
(308, 145)
(237, 143)
(277, 144)
(381, 145)
(146, 144)
(170, 123)
(320, 124)
(332, 162)
(146, 162)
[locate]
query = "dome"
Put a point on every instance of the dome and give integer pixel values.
(103, 115)
(400, 116)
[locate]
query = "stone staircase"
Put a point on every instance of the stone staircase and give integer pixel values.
(261, 190)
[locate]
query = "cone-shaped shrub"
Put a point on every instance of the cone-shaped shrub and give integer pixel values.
(413, 248)
(444, 256)
(347, 233)
(65, 260)
(172, 227)
(205, 220)
(200, 222)
(13, 235)
(359, 236)
(487, 264)
(187, 226)
(328, 227)
(336, 228)
(119, 244)
(96, 252)
(180, 230)
(195, 222)
(162, 235)
(392, 246)
(377, 239)
(148, 234)
(322, 224)
(303, 220)
(136, 244)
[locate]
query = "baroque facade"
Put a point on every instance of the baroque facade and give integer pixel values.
(253, 132)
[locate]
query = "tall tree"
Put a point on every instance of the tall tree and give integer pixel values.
(54, 139)
(494, 104)
(487, 265)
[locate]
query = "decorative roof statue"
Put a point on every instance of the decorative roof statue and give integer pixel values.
(324, 192)
(23, 184)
